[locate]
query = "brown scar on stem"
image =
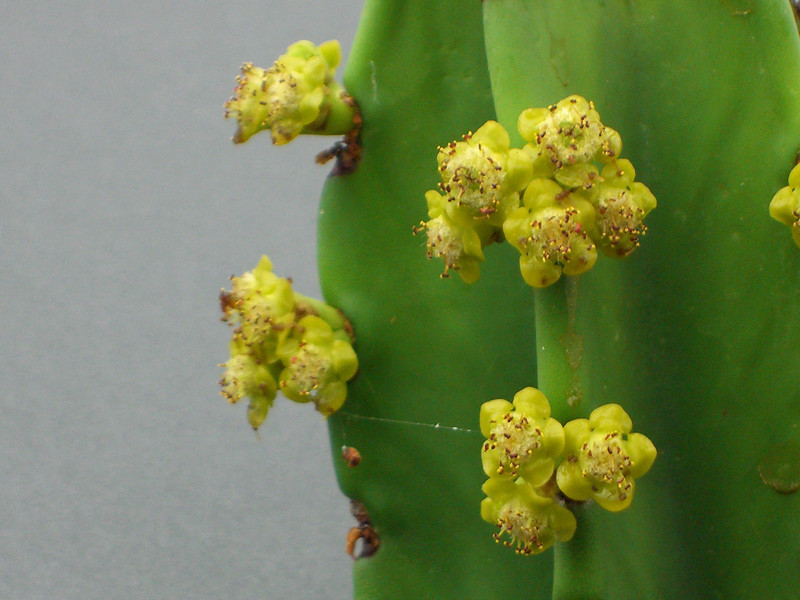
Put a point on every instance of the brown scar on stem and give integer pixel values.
(351, 456)
(363, 531)
(559, 60)
(347, 151)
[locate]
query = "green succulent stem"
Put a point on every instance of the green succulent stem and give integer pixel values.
(559, 347)
(696, 333)
(577, 565)
(431, 351)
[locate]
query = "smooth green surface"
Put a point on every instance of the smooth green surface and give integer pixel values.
(431, 351)
(697, 333)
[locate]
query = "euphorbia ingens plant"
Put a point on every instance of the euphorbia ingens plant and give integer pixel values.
(579, 296)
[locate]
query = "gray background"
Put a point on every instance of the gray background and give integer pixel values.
(124, 208)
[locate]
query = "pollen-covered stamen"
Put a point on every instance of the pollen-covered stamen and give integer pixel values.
(605, 459)
(296, 94)
(232, 382)
(522, 439)
(569, 133)
(308, 372)
(573, 133)
(260, 307)
(523, 527)
(607, 463)
(284, 99)
(249, 104)
(526, 513)
(247, 87)
(471, 175)
(457, 242)
(481, 177)
(517, 438)
(620, 221)
(565, 132)
(317, 362)
(257, 325)
(553, 234)
(246, 376)
(281, 90)
(620, 205)
(445, 244)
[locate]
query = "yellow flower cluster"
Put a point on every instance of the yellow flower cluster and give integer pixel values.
(557, 200)
(297, 94)
(283, 341)
(527, 490)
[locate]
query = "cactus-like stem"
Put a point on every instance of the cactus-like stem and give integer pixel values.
(559, 347)
(582, 559)
(696, 334)
(431, 351)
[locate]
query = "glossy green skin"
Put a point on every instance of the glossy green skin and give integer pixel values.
(430, 350)
(696, 334)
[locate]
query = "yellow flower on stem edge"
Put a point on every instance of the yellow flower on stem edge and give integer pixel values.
(785, 205)
(298, 94)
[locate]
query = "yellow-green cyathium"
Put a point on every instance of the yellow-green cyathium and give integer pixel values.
(567, 134)
(260, 307)
(458, 244)
(602, 458)
(482, 175)
(318, 362)
(785, 205)
(283, 340)
(521, 438)
(620, 206)
(298, 94)
(522, 444)
(532, 521)
(551, 231)
(577, 195)
(481, 178)
(247, 375)
(528, 491)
